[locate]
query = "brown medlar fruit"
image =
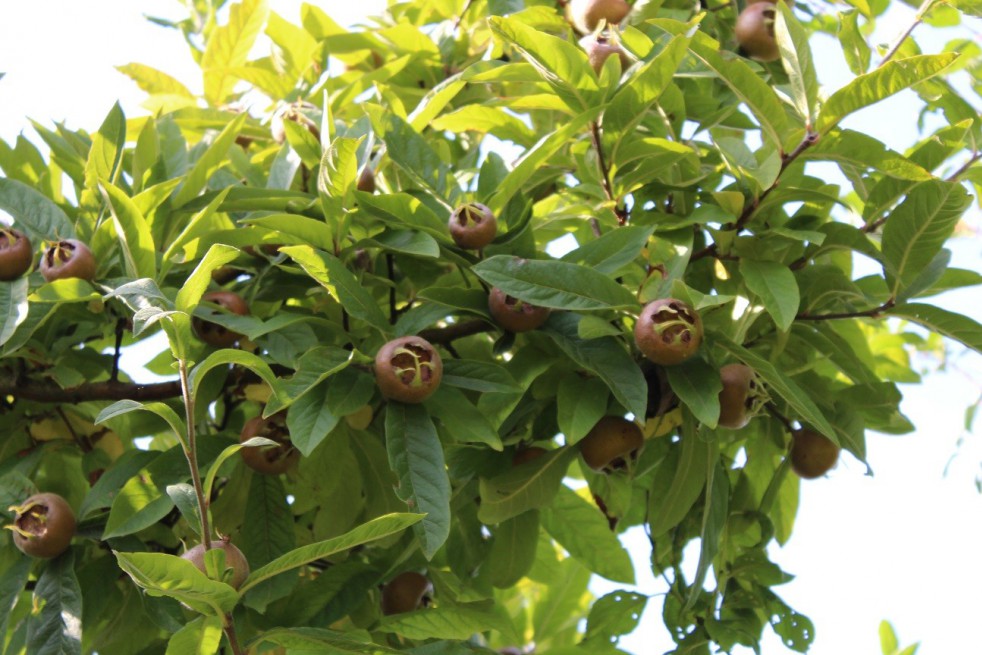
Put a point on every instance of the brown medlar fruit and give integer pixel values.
(68, 258)
(234, 560)
(668, 331)
(611, 444)
(513, 314)
(740, 395)
(406, 592)
(585, 15)
(473, 226)
(408, 369)
(213, 333)
(523, 455)
(754, 32)
(16, 254)
(599, 47)
(812, 454)
(271, 460)
(43, 526)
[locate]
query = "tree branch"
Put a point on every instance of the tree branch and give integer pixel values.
(455, 331)
(867, 313)
(918, 17)
(619, 212)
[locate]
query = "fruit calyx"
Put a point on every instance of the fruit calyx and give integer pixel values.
(513, 314)
(473, 226)
(68, 258)
(43, 526)
(668, 331)
(408, 369)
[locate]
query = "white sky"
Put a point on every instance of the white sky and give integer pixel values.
(902, 545)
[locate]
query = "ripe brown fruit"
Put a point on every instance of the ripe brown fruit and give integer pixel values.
(513, 314)
(213, 333)
(587, 14)
(43, 526)
(611, 444)
(408, 369)
(812, 454)
(68, 258)
(473, 226)
(234, 559)
(668, 331)
(406, 592)
(738, 398)
(524, 455)
(16, 254)
(366, 180)
(754, 32)
(271, 460)
(599, 47)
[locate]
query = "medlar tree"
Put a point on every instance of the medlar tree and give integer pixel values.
(367, 435)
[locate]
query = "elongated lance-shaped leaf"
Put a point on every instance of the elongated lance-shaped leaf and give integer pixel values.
(56, 627)
(228, 356)
(106, 151)
(522, 488)
(161, 574)
(893, 77)
(197, 283)
(120, 407)
(321, 640)
(13, 307)
(209, 162)
(416, 456)
(201, 636)
(950, 324)
(34, 212)
(378, 528)
(228, 47)
(796, 55)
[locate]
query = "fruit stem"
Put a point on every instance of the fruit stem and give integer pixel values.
(191, 453)
(233, 639)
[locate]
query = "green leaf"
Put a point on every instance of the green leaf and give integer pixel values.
(854, 46)
(320, 640)
(416, 456)
(522, 488)
(678, 481)
(448, 622)
(33, 212)
(268, 534)
(782, 385)
(796, 56)
(618, 613)
(513, 549)
(562, 65)
(229, 46)
(555, 284)
(401, 210)
(489, 120)
(12, 583)
(917, 229)
(227, 356)
(606, 357)
(475, 375)
(334, 276)
(102, 165)
(298, 229)
(133, 231)
(165, 412)
(406, 242)
(580, 403)
(536, 156)
(13, 307)
(313, 367)
(378, 528)
(611, 250)
(861, 151)
(169, 575)
(776, 287)
(212, 159)
(893, 77)
(583, 531)
(202, 636)
(412, 153)
(716, 504)
(310, 420)
(197, 283)
(101, 495)
(338, 173)
(461, 420)
(153, 81)
(748, 86)
(56, 627)
(950, 324)
(697, 385)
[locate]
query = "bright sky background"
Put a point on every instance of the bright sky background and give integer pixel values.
(902, 545)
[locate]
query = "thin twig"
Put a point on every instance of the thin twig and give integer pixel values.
(233, 639)
(120, 326)
(875, 312)
(619, 212)
(918, 18)
(191, 452)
